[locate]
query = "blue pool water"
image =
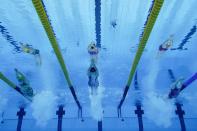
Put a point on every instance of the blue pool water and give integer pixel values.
(48, 48)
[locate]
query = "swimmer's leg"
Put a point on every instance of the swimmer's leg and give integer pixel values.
(38, 59)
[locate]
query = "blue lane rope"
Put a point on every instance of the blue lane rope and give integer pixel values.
(48, 17)
(149, 11)
(98, 22)
(5, 33)
(186, 39)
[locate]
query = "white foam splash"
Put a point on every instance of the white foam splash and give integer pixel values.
(159, 109)
(96, 104)
(44, 105)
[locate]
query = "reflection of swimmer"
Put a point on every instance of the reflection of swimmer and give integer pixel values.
(93, 78)
(93, 51)
(30, 50)
(24, 84)
(166, 45)
(176, 88)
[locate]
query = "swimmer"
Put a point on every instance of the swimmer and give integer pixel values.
(30, 50)
(165, 46)
(176, 88)
(93, 78)
(24, 84)
(93, 51)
